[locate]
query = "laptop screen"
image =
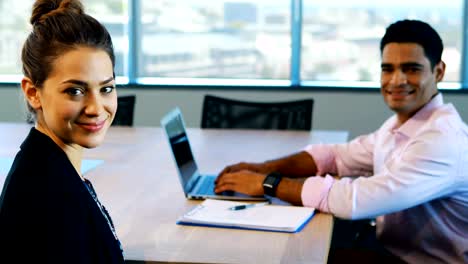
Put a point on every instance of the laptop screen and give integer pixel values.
(175, 130)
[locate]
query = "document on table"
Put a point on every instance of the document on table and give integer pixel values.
(217, 213)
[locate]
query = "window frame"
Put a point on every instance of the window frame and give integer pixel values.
(132, 79)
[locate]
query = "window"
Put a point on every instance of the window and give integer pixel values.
(113, 14)
(248, 41)
(340, 39)
(13, 31)
(15, 27)
(215, 39)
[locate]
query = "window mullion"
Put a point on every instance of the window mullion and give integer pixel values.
(464, 62)
(134, 40)
(296, 31)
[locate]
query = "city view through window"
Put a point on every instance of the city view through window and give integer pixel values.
(340, 39)
(250, 39)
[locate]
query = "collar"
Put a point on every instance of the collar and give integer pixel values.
(412, 125)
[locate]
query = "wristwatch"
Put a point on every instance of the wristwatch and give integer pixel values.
(271, 183)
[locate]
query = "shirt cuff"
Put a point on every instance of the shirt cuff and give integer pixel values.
(324, 158)
(315, 192)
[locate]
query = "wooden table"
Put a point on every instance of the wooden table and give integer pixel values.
(138, 183)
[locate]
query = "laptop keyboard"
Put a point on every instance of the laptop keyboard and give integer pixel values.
(207, 186)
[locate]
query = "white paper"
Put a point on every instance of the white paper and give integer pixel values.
(268, 217)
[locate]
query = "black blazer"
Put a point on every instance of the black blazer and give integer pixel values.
(47, 215)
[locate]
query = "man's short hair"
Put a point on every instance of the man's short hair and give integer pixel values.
(415, 31)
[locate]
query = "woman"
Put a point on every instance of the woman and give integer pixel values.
(48, 211)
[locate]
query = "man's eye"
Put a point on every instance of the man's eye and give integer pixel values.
(411, 70)
(107, 89)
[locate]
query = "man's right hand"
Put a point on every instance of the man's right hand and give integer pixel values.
(297, 165)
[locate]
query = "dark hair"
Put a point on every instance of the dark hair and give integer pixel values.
(60, 26)
(415, 31)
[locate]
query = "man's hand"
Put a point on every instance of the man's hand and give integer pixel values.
(254, 167)
(242, 181)
(298, 165)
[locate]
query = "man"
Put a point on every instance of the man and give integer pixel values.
(412, 173)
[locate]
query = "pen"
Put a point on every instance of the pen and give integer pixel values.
(246, 206)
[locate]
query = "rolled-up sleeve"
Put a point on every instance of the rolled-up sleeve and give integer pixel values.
(315, 192)
(351, 159)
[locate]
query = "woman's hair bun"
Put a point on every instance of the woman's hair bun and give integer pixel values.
(43, 9)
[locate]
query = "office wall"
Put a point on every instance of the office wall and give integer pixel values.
(358, 112)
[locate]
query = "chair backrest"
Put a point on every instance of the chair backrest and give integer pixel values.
(227, 113)
(125, 109)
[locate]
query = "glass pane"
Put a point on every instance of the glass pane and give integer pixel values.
(215, 39)
(113, 14)
(15, 27)
(340, 39)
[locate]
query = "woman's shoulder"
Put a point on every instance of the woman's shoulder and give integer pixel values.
(38, 174)
(41, 146)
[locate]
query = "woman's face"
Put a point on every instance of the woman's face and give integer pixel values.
(78, 101)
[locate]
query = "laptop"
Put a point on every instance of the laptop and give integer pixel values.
(194, 184)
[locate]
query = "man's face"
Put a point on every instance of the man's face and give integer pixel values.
(408, 81)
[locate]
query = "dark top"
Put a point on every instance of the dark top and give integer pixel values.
(48, 214)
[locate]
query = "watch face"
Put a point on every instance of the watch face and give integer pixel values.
(269, 181)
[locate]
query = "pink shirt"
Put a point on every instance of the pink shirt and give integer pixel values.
(413, 177)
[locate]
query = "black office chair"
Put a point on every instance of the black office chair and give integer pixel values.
(227, 113)
(125, 109)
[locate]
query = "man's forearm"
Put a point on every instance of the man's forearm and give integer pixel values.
(298, 165)
(289, 190)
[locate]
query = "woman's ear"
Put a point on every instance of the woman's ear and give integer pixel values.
(31, 93)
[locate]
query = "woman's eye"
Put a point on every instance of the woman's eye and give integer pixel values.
(74, 91)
